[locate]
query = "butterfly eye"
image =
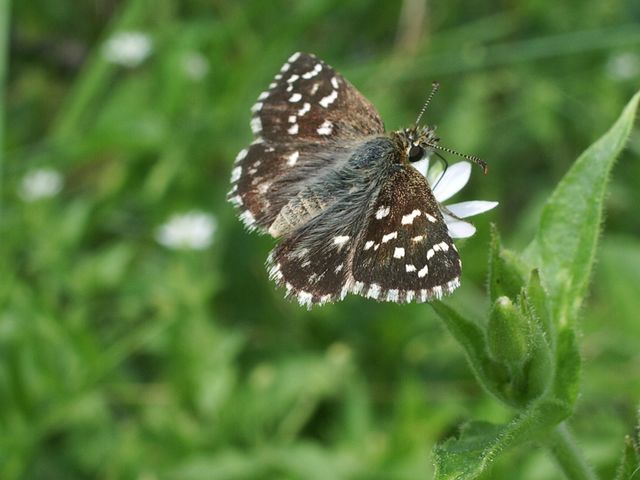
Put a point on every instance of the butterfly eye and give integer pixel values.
(416, 153)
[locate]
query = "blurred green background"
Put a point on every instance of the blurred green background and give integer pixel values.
(126, 354)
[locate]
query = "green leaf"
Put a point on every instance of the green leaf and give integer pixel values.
(629, 468)
(537, 300)
(565, 244)
(566, 384)
(479, 444)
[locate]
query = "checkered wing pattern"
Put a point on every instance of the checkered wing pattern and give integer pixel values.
(306, 121)
(405, 253)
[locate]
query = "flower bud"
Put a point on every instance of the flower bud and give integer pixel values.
(507, 333)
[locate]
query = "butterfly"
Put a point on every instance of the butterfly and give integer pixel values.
(346, 199)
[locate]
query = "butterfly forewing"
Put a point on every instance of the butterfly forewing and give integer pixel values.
(307, 117)
(405, 253)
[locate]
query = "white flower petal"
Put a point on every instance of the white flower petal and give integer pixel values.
(435, 172)
(458, 228)
(468, 209)
(422, 166)
(454, 178)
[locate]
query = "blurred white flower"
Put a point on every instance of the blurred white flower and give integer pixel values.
(195, 65)
(128, 49)
(445, 185)
(189, 231)
(623, 66)
(40, 183)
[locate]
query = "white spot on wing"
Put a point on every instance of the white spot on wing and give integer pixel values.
(341, 239)
(293, 129)
(293, 78)
(382, 212)
(423, 271)
(374, 291)
(305, 298)
(368, 245)
(292, 119)
(256, 125)
(409, 218)
(392, 295)
(398, 252)
(296, 97)
(294, 57)
(241, 154)
(329, 99)
(312, 73)
(263, 95)
(430, 253)
(247, 218)
(305, 108)
(326, 128)
(431, 218)
(410, 268)
(389, 236)
(417, 238)
(256, 107)
(293, 158)
(334, 82)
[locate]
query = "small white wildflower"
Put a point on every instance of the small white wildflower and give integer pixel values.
(189, 231)
(623, 66)
(40, 183)
(195, 65)
(445, 185)
(128, 49)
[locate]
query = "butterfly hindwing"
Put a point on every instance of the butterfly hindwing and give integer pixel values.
(405, 252)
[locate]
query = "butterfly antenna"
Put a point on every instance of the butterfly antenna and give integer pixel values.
(434, 88)
(473, 158)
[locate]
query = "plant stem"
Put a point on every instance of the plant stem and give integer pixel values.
(564, 449)
(4, 60)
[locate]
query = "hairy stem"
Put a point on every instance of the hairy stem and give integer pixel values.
(567, 454)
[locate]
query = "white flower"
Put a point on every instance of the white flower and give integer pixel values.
(128, 49)
(189, 231)
(446, 185)
(623, 66)
(195, 65)
(41, 183)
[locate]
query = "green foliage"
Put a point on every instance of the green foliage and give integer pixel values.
(565, 245)
(535, 345)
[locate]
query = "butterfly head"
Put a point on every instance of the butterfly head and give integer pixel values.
(417, 142)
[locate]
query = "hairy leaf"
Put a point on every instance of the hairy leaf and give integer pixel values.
(565, 244)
